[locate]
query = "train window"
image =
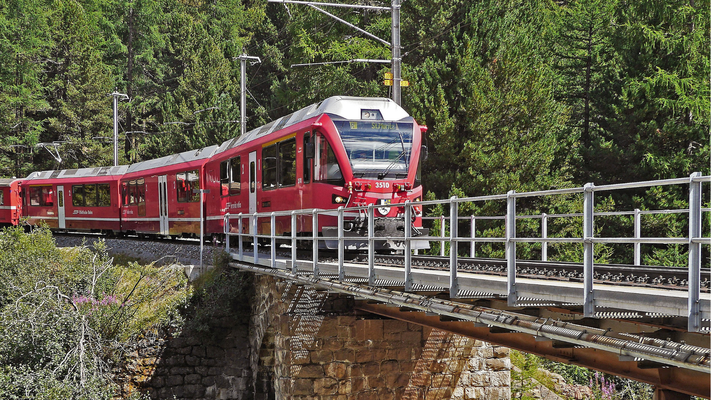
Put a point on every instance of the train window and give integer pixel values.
(327, 168)
(269, 167)
(78, 195)
(103, 192)
(287, 162)
(41, 196)
(224, 178)
(188, 186)
(90, 195)
(308, 157)
(252, 177)
(141, 191)
(124, 193)
(235, 176)
(2, 198)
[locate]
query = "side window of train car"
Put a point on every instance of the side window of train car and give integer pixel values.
(231, 177)
(133, 192)
(269, 167)
(2, 197)
(91, 195)
(188, 186)
(235, 176)
(252, 177)
(287, 162)
(326, 168)
(308, 151)
(41, 196)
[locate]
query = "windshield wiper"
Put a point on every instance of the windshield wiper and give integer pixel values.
(392, 164)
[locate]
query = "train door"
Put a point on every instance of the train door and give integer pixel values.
(252, 186)
(163, 204)
(60, 207)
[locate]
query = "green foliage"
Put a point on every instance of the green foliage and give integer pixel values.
(222, 292)
(64, 311)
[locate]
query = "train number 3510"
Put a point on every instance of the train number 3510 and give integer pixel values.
(382, 185)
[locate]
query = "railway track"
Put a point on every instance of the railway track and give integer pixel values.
(628, 275)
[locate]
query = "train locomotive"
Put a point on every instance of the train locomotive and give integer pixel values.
(342, 152)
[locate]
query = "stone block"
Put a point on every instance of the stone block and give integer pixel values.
(311, 371)
(302, 387)
(397, 380)
(389, 367)
(336, 370)
(411, 338)
(214, 352)
(421, 379)
(500, 378)
(198, 351)
(174, 380)
(371, 369)
(363, 356)
(321, 356)
(479, 379)
(498, 364)
(158, 382)
(501, 352)
(325, 386)
(329, 328)
(192, 379)
(192, 361)
(181, 370)
(498, 393)
(375, 382)
(208, 381)
(344, 355)
(333, 344)
(442, 380)
(475, 393)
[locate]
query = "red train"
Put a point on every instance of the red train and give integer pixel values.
(344, 151)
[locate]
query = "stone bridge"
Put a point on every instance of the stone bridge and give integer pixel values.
(300, 343)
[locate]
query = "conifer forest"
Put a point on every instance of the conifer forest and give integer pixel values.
(517, 95)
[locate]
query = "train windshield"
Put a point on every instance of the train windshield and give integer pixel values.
(377, 149)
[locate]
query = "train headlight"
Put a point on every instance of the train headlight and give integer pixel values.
(338, 199)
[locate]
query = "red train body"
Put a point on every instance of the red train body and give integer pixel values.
(344, 151)
(10, 202)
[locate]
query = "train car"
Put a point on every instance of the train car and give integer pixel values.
(10, 202)
(85, 199)
(344, 151)
(161, 197)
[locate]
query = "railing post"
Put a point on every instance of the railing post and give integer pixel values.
(472, 245)
(371, 245)
(294, 269)
(254, 235)
(588, 255)
(512, 296)
(272, 233)
(341, 246)
(314, 228)
(637, 235)
(408, 246)
(694, 253)
(239, 238)
(453, 217)
(441, 233)
(544, 235)
(226, 231)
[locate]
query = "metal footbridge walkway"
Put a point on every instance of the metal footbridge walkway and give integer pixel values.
(644, 332)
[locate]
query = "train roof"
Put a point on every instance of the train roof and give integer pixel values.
(345, 107)
(184, 157)
(78, 173)
(4, 182)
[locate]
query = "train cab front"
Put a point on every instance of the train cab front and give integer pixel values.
(383, 169)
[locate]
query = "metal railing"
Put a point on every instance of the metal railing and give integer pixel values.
(510, 239)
